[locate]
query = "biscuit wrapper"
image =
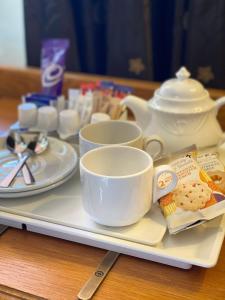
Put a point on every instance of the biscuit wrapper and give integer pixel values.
(210, 162)
(197, 197)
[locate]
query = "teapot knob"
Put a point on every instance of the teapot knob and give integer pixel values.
(183, 74)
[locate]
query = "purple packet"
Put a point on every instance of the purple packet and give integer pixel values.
(42, 96)
(53, 55)
(123, 89)
(38, 101)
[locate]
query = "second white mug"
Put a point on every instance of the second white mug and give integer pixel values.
(124, 133)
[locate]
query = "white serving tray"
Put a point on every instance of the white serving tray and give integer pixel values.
(47, 214)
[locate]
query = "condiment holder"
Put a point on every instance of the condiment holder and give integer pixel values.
(27, 115)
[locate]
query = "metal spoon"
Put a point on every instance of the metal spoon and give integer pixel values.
(35, 147)
(17, 146)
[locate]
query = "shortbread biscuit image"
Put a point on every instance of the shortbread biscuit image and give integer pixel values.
(191, 195)
(219, 178)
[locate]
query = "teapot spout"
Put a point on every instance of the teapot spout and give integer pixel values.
(219, 103)
(140, 109)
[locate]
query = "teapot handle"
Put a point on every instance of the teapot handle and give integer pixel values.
(220, 102)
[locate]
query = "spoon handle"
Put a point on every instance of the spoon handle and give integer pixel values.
(9, 178)
(27, 175)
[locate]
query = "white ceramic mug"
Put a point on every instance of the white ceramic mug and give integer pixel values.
(119, 184)
(113, 132)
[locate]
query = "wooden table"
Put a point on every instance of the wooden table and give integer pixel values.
(34, 266)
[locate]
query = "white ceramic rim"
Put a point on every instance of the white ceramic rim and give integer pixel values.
(150, 166)
(111, 121)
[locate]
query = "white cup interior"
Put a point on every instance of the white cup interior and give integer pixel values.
(111, 132)
(116, 161)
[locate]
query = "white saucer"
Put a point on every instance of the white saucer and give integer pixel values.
(37, 191)
(50, 168)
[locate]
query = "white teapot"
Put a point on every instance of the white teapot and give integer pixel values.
(181, 112)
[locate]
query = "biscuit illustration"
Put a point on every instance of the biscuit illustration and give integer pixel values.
(191, 195)
(219, 178)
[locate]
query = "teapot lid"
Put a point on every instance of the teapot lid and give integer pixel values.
(182, 95)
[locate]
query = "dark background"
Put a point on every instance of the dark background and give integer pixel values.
(142, 39)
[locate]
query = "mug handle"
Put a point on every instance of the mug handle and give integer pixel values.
(160, 191)
(154, 139)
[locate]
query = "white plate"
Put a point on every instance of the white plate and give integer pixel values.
(58, 161)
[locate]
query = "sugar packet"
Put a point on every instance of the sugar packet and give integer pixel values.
(196, 198)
